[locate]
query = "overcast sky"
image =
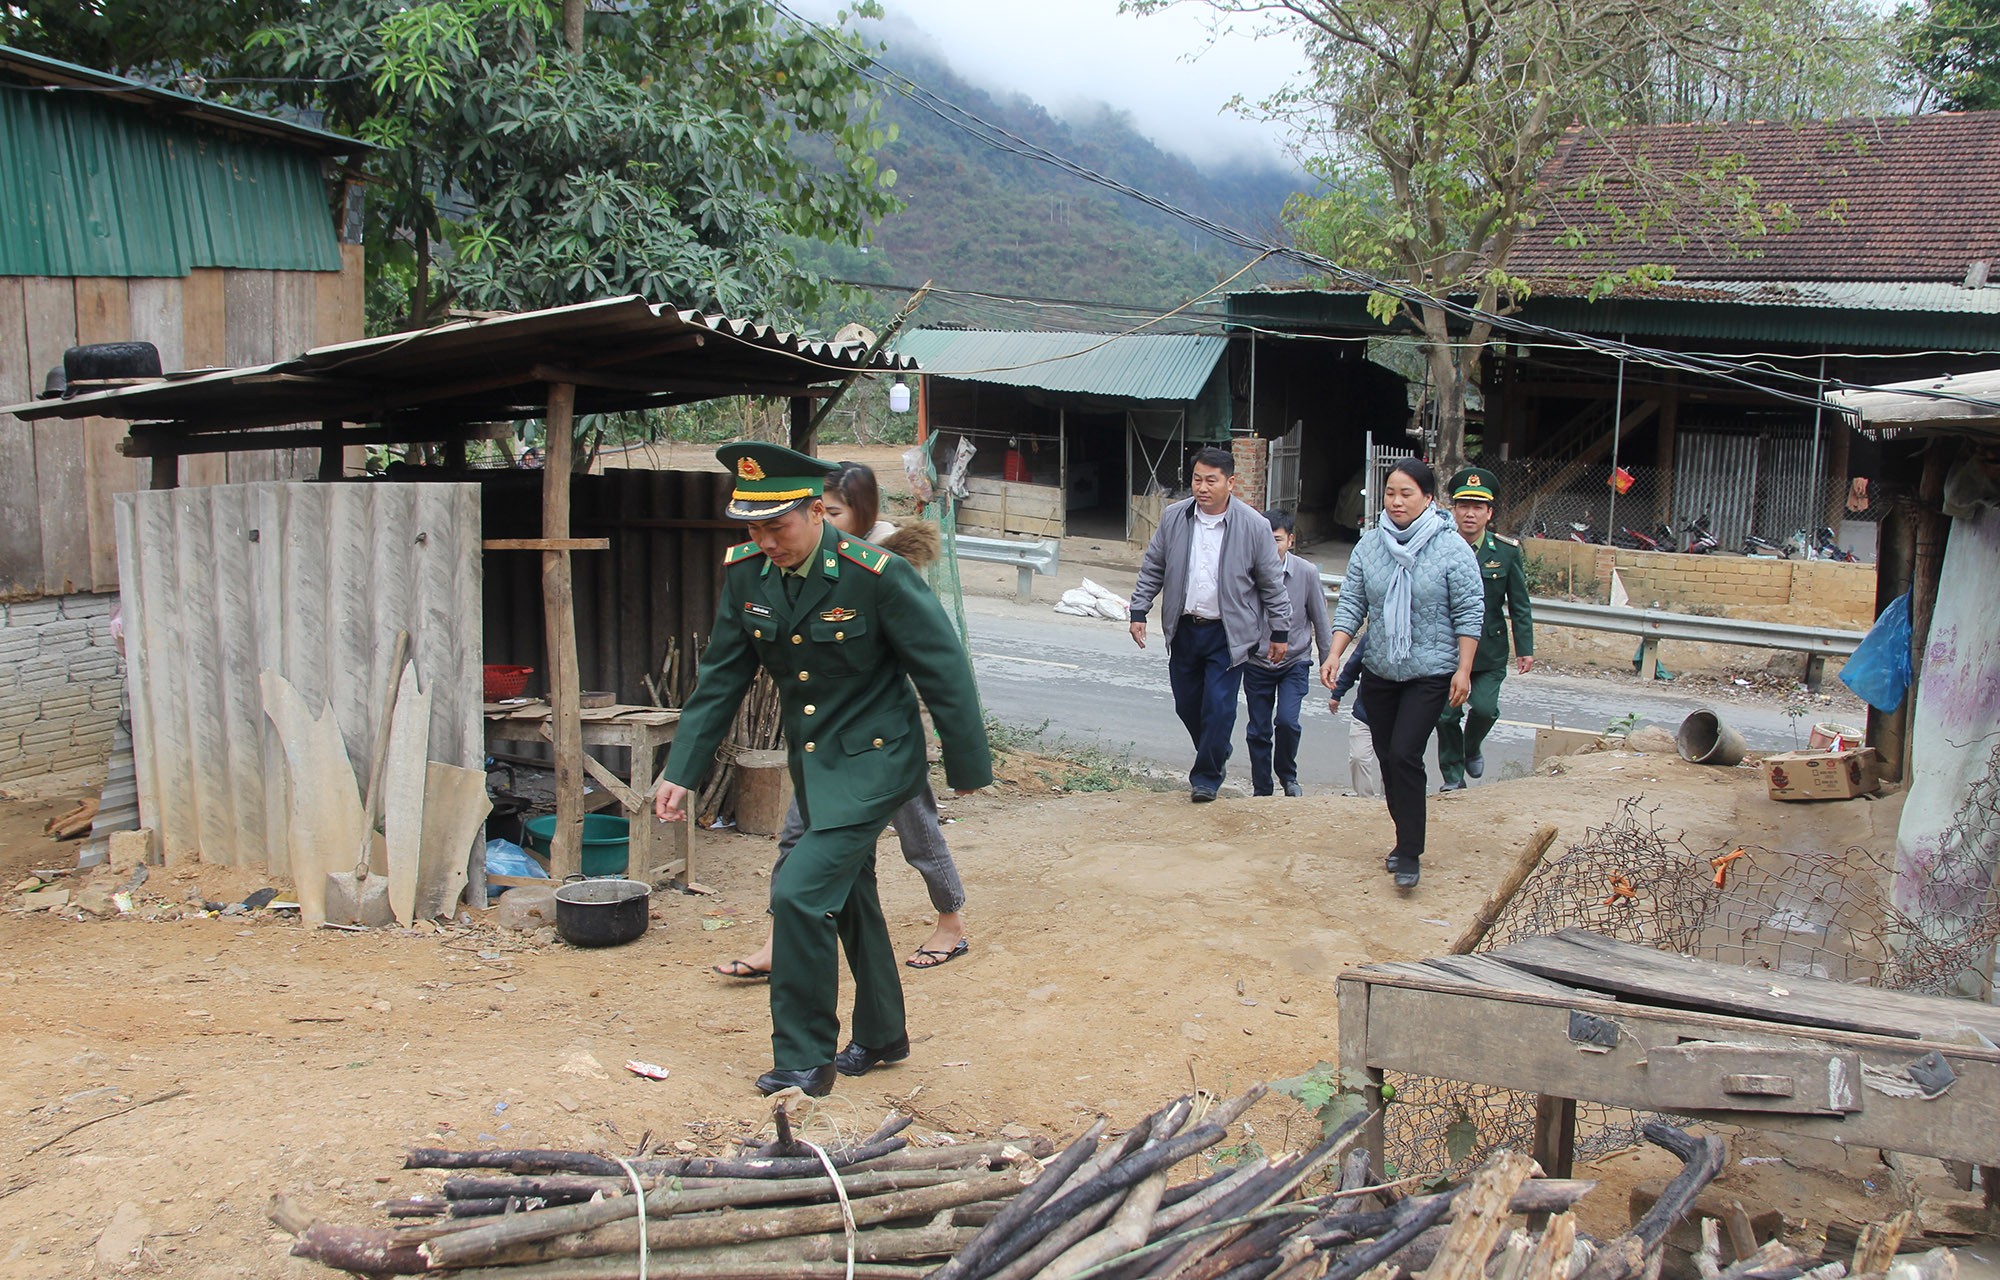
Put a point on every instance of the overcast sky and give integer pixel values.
(1164, 69)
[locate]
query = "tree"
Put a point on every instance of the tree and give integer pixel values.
(1954, 49)
(670, 158)
(1430, 123)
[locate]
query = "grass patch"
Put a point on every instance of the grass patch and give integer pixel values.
(1077, 766)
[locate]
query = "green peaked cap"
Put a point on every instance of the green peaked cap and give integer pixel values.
(771, 479)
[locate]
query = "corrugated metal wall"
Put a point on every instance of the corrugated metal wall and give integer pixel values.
(96, 188)
(312, 581)
(660, 579)
(1745, 483)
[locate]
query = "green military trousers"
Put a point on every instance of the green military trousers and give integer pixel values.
(823, 892)
(1481, 712)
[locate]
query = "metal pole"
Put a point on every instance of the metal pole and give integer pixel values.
(1617, 426)
(1815, 500)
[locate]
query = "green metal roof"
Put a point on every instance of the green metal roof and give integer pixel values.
(99, 187)
(1165, 366)
(1899, 316)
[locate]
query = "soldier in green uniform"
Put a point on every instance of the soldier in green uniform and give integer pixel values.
(844, 628)
(1505, 574)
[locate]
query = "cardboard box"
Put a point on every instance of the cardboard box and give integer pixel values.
(1551, 741)
(1822, 775)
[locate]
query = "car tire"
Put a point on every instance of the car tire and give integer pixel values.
(99, 360)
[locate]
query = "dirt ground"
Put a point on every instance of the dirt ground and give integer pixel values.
(1125, 948)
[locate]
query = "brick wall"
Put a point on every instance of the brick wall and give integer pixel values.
(60, 678)
(1824, 593)
(1253, 462)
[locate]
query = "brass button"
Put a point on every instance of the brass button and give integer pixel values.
(811, 745)
(798, 639)
(843, 545)
(840, 635)
(804, 676)
(878, 742)
(759, 633)
(810, 708)
(829, 562)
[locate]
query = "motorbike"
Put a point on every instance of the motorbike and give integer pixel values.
(1578, 532)
(1756, 546)
(1700, 539)
(1661, 539)
(1829, 547)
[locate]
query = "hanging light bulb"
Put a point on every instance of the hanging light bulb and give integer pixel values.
(899, 396)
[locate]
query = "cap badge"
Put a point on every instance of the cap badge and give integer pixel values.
(747, 468)
(1474, 479)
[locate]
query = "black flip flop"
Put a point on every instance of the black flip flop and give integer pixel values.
(939, 957)
(740, 971)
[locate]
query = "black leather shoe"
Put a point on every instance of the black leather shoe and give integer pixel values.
(1389, 862)
(1475, 766)
(1294, 789)
(1406, 873)
(1452, 786)
(1201, 797)
(857, 1059)
(816, 1082)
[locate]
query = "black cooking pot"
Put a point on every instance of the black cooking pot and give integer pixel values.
(602, 913)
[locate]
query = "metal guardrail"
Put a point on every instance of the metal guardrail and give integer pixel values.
(1028, 558)
(1655, 625)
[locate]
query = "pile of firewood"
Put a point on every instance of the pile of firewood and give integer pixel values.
(1102, 1209)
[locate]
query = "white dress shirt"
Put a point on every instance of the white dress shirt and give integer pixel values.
(1204, 561)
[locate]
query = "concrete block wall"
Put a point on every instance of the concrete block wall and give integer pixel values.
(1825, 592)
(60, 677)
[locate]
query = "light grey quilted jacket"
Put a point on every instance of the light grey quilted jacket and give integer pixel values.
(1447, 600)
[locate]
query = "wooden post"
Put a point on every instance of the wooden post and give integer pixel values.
(559, 621)
(332, 466)
(166, 471)
(1524, 866)
(1555, 1135)
(804, 437)
(1353, 1012)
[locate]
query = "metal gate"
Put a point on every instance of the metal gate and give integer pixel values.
(1377, 459)
(1281, 477)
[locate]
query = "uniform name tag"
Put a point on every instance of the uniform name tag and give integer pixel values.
(751, 606)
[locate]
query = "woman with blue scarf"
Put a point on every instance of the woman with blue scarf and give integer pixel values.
(1416, 582)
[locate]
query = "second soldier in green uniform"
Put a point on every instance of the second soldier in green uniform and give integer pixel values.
(1504, 572)
(844, 628)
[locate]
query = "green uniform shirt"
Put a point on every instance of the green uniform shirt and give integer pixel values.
(843, 655)
(1504, 571)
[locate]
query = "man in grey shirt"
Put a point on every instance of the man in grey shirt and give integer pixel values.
(1275, 691)
(1212, 565)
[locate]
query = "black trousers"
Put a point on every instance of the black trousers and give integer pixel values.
(1401, 716)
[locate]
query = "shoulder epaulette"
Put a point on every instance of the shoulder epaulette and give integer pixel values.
(1512, 542)
(866, 554)
(741, 551)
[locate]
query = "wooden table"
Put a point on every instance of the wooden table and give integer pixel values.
(646, 732)
(1578, 1016)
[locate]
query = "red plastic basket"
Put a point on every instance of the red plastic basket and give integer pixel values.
(505, 682)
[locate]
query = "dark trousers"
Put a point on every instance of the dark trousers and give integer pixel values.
(1401, 716)
(1273, 699)
(1480, 713)
(824, 894)
(1205, 683)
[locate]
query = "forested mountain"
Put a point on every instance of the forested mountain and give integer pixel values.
(981, 219)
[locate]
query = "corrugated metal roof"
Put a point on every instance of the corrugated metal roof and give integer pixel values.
(1967, 403)
(620, 353)
(1165, 366)
(100, 189)
(19, 64)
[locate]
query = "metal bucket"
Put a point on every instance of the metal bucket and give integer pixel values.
(602, 913)
(1826, 733)
(1704, 739)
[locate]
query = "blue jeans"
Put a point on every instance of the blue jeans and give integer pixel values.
(1205, 682)
(1274, 697)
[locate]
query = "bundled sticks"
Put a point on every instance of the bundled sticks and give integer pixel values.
(1101, 1209)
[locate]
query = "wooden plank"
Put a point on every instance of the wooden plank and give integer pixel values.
(104, 314)
(1522, 1042)
(1489, 972)
(546, 544)
(249, 308)
(1354, 1002)
(294, 312)
(59, 479)
(1585, 959)
(156, 318)
(202, 313)
(20, 514)
(403, 805)
(1757, 1078)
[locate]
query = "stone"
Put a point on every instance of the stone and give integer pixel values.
(526, 907)
(131, 848)
(49, 900)
(95, 898)
(119, 1242)
(1651, 739)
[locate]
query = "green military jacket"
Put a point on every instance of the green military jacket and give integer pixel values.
(843, 655)
(1504, 570)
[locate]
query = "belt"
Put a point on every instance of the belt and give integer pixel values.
(1196, 620)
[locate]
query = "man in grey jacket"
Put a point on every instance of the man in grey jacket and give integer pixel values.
(1214, 568)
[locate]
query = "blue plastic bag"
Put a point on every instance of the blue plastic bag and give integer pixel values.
(505, 858)
(1879, 671)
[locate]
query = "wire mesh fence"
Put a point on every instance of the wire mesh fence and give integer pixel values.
(1929, 926)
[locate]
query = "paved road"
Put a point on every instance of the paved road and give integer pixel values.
(1088, 683)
